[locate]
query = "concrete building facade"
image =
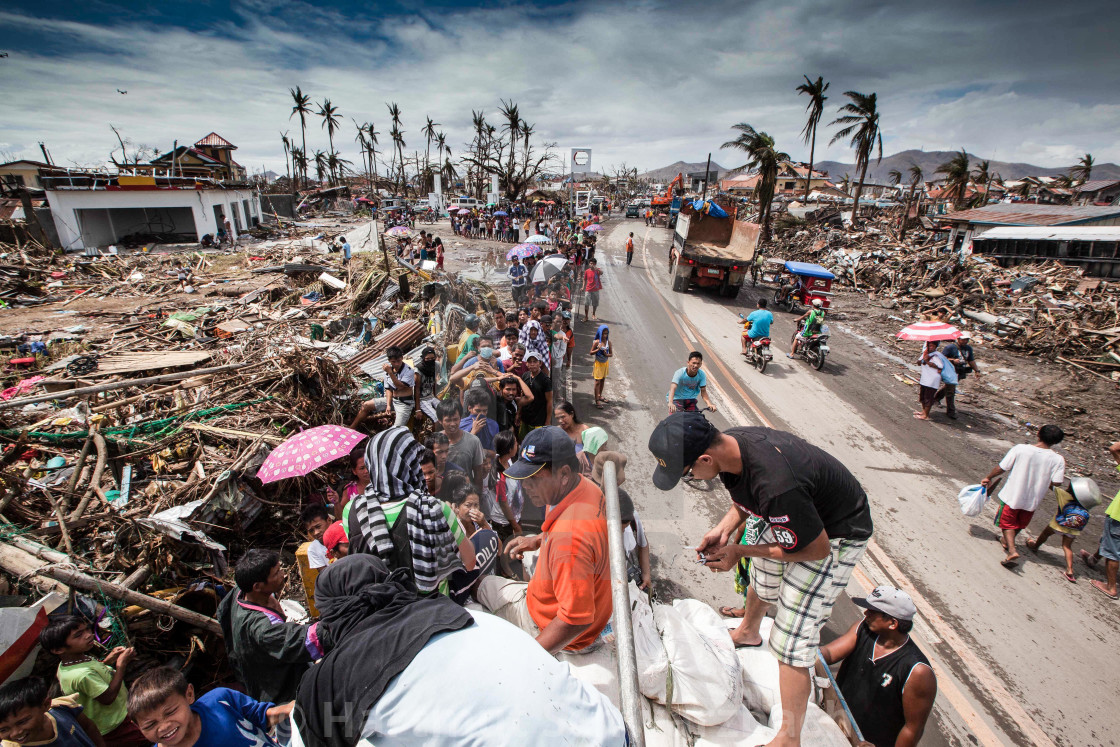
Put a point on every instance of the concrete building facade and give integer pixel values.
(97, 215)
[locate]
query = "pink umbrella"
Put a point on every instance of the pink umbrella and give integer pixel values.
(926, 331)
(308, 450)
(398, 231)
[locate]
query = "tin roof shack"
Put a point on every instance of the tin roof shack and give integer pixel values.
(209, 158)
(93, 209)
(1096, 248)
(965, 225)
(1098, 192)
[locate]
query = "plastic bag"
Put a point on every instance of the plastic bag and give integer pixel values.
(972, 500)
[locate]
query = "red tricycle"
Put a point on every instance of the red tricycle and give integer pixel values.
(804, 282)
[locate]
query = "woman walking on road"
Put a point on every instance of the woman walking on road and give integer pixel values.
(603, 351)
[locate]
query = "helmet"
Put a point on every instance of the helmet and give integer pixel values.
(1085, 491)
(818, 302)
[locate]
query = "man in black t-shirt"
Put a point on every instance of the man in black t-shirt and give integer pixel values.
(819, 524)
(538, 412)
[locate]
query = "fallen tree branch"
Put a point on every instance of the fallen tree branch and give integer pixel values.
(82, 582)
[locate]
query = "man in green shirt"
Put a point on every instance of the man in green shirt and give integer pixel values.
(813, 319)
(1110, 542)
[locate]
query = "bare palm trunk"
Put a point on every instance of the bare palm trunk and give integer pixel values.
(303, 134)
(812, 153)
(859, 189)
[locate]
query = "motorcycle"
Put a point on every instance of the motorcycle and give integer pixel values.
(814, 349)
(758, 353)
(789, 303)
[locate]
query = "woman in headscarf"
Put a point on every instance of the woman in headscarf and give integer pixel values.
(401, 669)
(397, 520)
(534, 339)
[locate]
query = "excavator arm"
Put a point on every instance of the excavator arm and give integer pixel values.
(667, 198)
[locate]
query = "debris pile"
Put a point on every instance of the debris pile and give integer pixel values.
(1046, 309)
(132, 433)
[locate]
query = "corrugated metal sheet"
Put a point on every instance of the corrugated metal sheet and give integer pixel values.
(1095, 185)
(1023, 214)
(1061, 233)
(404, 335)
(214, 140)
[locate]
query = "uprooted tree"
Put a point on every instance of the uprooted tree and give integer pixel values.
(506, 152)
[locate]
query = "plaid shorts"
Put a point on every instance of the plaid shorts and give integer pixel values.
(804, 593)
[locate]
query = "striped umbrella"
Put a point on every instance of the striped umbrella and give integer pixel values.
(926, 331)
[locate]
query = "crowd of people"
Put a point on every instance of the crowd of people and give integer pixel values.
(468, 544)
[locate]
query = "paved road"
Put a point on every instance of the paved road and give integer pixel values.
(1023, 657)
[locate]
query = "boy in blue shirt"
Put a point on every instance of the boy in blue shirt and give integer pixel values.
(759, 324)
(689, 384)
(163, 704)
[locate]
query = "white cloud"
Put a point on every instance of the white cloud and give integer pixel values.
(644, 83)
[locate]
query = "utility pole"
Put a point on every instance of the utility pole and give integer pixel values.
(704, 194)
(46, 155)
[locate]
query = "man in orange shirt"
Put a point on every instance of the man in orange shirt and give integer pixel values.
(568, 601)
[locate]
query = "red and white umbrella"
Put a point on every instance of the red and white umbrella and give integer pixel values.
(927, 331)
(307, 451)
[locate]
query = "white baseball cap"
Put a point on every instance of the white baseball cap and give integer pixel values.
(890, 601)
(818, 302)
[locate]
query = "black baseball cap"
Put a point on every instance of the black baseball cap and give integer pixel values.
(542, 447)
(676, 443)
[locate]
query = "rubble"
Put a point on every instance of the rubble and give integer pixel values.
(1046, 309)
(133, 422)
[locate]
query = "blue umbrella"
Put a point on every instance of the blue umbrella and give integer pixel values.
(502, 213)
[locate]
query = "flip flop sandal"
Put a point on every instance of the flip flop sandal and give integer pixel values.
(731, 611)
(749, 645)
(1105, 592)
(1009, 563)
(1069, 577)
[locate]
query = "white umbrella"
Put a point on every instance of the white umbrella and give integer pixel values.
(538, 238)
(547, 268)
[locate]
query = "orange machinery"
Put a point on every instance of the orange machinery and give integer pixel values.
(667, 198)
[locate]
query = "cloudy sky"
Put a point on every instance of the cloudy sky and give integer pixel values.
(645, 83)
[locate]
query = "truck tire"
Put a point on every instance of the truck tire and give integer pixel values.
(728, 290)
(680, 283)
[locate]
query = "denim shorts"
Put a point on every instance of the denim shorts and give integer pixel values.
(1110, 539)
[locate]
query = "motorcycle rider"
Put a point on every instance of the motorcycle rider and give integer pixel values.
(813, 318)
(788, 285)
(757, 325)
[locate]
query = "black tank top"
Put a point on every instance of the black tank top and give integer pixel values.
(873, 688)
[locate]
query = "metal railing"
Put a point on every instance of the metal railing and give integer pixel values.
(629, 696)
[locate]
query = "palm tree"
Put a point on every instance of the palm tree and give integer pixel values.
(397, 136)
(441, 145)
(331, 118)
(1084, 169)
(429, 133)
(861, 120)
(766, 159)
(894, 176)
(815, 107)
(983, 174)
(320, 165)
(299, 162)
(916, 177)
(510, 111)
(957, 176)
(302, 107)
(287, 152)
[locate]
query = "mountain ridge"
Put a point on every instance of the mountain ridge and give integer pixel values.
(878, 172)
